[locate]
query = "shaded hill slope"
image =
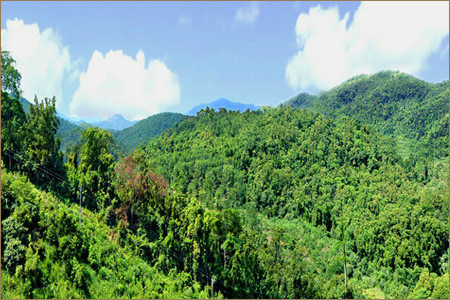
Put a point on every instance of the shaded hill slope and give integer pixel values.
(145, 130)
(299, 165)
(394, 103)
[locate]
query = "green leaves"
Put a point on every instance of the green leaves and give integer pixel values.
(10, 76)
(298, 165)
(263, 201)
(395, 104)
(13, 131)
(91, 167)
(58, 258)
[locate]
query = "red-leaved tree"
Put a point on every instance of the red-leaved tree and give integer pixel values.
(140, 190)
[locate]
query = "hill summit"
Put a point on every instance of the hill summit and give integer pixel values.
(116, 122)
(222, 103)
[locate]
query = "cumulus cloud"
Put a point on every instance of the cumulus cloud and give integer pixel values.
(382, 35)
(40, 57)
(248, 14)
(117, 83)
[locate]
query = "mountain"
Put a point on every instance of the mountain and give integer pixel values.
(69, 133)
(290, 171)
(145, 130)
(25, 104)
(127, 139)
(302, 100)
(116, 122)
(222, 103)
(65, 125)
(63, 116)
(78, 120)
(396, 104)
(281, 203)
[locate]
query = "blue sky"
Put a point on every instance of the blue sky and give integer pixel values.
(140, 58)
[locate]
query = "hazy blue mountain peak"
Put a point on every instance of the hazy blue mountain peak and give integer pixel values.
(222, 103)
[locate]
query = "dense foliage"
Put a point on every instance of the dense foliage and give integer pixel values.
(274, 203)
(28, 137)
(10, 76)
(12, 112)
(68, 133)
(90, 166)
(297, 165)
(13, 118)
(48, 253)
(394, 103)
(145, 130)
(126, 140)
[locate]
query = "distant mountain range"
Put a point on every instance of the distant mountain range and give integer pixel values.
(25, 104)
(222, 103)
(116, 122)
(394, 103)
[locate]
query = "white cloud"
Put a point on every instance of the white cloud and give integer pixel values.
(117, 83)
(40, 58)
(382, 35)
(248, 14)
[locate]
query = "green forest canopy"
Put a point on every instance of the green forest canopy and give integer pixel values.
(262, 204)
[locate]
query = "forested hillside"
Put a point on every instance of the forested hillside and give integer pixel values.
(48, 253)
(273, 203)
(145, 130)
(127, 139)
(395, 104)
(222, 103)
(339, 176)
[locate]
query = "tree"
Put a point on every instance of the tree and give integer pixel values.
(140, 190)
(13, 116)
(10, 76)
(42, 144)
(94, 170)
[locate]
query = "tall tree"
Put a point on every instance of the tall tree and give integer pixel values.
(10, 76)
(42, 144)
(93, 172)
(13, 116)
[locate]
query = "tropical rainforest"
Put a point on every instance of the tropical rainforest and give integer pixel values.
(344, 194)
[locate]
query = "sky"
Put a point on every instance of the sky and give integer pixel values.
(141, 58)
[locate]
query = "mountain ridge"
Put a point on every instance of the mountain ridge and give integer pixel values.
(145, 130)
(115, 122)
(222, 103)
(394, 103)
